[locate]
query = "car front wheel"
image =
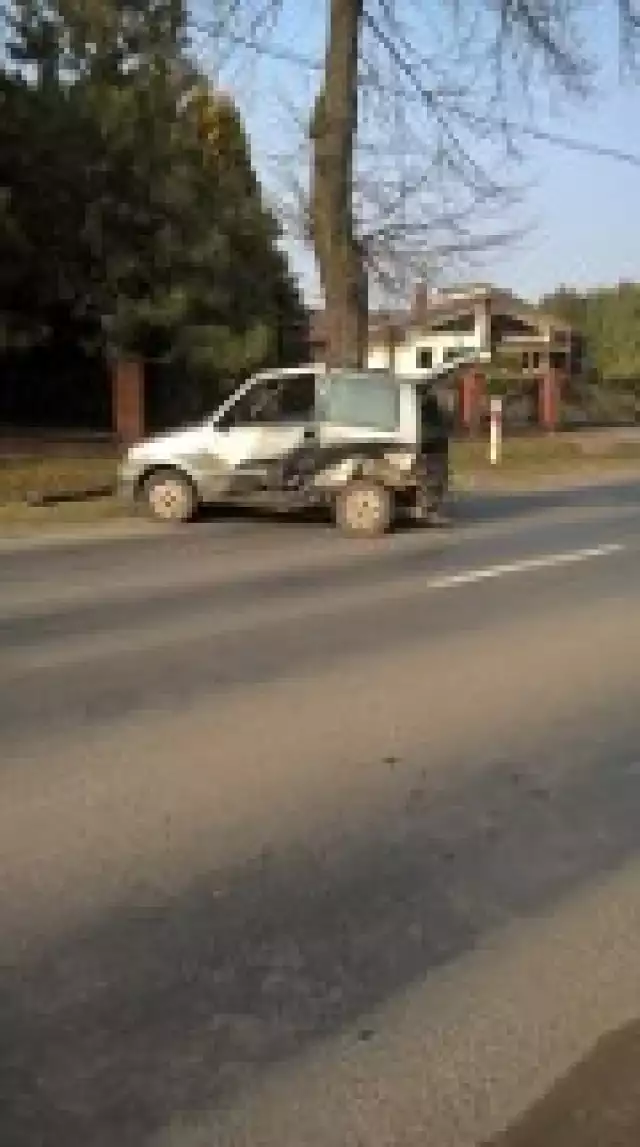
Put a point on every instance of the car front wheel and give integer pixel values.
(365, 509)
(169, 496)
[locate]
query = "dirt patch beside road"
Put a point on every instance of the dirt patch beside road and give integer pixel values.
(597, 1104)
(22, 478)
(40, 493)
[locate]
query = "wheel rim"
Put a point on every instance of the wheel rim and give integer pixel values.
(364, 509)
(168, 499)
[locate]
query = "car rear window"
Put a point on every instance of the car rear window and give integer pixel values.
(362, 400)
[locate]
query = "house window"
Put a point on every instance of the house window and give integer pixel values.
(451, 352)
(457, 324)
(525, 360)
(424, 358)
(536, 359)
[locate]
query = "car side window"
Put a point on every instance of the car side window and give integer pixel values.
(290, 398)
(265, 402)
(296, 398)
(242, 411)
(362, 399)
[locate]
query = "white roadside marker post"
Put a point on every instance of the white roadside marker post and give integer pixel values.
(495, 432)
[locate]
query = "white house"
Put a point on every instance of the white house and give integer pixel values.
(441, 324)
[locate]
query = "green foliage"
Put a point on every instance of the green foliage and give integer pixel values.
(129, 210)
(609, 320)
(500, 383)
(219, 347)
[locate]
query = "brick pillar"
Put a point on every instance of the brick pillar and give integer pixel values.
(127, 389)
(471, 387)
(549, 400)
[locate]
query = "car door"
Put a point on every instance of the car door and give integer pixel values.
(270, 420)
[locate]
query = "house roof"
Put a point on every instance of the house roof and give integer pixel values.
(437, 307)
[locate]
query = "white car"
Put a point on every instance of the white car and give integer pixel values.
(365, 444)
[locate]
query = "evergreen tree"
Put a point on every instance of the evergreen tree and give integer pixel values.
(128, 204)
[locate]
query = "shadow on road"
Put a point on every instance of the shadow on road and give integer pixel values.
(162, 1010)
(486, 505)
(597, 1104)
(491, 506)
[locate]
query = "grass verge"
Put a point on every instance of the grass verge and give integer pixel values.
(530, 462)
(23, 480)
(17, 518)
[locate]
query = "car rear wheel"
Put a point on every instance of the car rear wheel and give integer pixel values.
(365, 509)
(170, 497)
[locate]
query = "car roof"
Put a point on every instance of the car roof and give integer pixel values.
(283, 371)
(418, 380)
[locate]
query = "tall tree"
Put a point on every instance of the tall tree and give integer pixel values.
(153, 236)
(333, 131)
(451, 97)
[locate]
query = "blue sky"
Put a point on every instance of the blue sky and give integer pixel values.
(582, 209)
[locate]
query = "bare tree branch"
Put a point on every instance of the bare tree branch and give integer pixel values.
(449, 93)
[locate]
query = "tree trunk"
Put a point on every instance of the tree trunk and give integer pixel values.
(333, 130)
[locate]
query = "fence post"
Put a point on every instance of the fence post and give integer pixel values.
(128, 406)
(495, 431)
(549, 400)
(470, 386)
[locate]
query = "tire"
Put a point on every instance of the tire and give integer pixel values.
(365, 509)
(169, 496)
(429, 505)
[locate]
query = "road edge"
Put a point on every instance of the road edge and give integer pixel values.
(139, 529)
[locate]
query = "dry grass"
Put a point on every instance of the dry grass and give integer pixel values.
(21, 478)
(526, 461)
(20, 518)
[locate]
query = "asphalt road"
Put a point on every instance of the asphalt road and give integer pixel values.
(307, 842)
